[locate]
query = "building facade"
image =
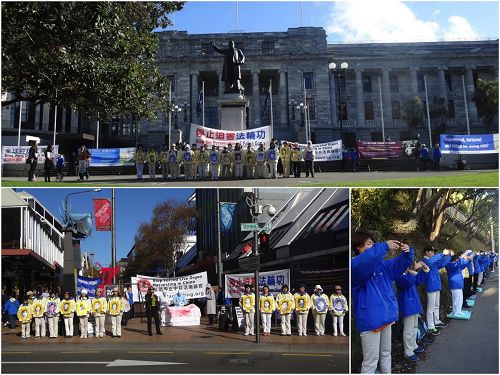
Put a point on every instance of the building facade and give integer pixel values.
(379, 79)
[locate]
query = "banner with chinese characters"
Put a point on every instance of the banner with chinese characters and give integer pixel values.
(371, 150)
(192, 286)
(203, 135)
(235, 283)
(88, 283)
(18, 155)
(112, 157)
(323, 151)
(102, 214)
(469, 144)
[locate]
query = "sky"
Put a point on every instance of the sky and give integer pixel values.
(348, 21)
(132, 206)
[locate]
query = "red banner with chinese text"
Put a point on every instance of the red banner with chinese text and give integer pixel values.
(102, 214)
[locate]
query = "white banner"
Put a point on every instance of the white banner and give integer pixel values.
(235, 283)
(192, 286)
(18, 155)
(203, 135)
(324, 151)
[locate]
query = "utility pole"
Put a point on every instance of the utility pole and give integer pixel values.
(113, 234)
(256, 274)
(219, 248)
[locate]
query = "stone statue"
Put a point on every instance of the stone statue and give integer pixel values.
(231, 74)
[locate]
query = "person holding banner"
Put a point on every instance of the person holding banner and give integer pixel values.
(83, 308)
(52, 313)
(163, 157)
(152, 311)
(249, 161)
(309, 155)
(151, 159)
(116, 308)
(272, 160)
(139, 161)
(285, 305)
(320, 304)
(67, 308)
(238, 161)
(285, 154)
(247, 304)
(214, 163)
(267, 307)
(24, 314)
(99, 308)
(339, 307)
(203, 158)
(296, 157)
(302, 306)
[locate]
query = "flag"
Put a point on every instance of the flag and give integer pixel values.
(226, 216)
(264, 110)
(199, 104)
(102, 214)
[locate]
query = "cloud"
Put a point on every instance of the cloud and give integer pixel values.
(436, 13)
(359, 21)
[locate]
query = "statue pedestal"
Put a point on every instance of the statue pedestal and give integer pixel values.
(233, 113)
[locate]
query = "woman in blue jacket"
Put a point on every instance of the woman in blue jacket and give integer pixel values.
(410, 307)
(10, 307)
(456, 280)
(374, 300)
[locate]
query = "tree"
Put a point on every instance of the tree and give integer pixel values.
(158, 241)
(413, 112)
(438, 112)
(486, 98)
(96, 57)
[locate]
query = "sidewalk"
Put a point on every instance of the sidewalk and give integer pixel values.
(135, 335)
(469, 347)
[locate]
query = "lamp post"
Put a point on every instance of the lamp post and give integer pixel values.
(302, 108)
(333, 68)
(92, 255)
(177, 111)
(293, 104)
(185, 108)
(66, 203)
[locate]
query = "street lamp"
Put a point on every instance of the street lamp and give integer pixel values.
(177, 111)
(185, 108)
(293, 104)
(66, 203)
(333, 68)
(302, 109)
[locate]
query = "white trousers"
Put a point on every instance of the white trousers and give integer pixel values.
(40, 327)
(319, 323)
(116, 324)
(203, 170)
(433, 309)
(68, 325)
(302, 323)
(139, 167)
(188, 171)
(480, 278)
(286, 328)
(53, 326)
(172, 171)
(249, 322)
(410, 334)
(214, 171)
(457, 297)
(340, 320)
(249, 171)
(266, 322)
(99, 326)
(84, 326)
(376, 347)
(286, 167)
(273, 167)
(25, 329)
(164, 170)
(151, 169)
(238, 170)
(261, 170)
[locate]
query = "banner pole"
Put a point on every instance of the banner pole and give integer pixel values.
(219, 250)
(427, 109)
(203, 103)
(20, 121)
(170, 115)
(381, 109)
(466, 106)
(271, 107)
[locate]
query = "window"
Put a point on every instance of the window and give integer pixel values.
(207, 49)
(420, 82)
(367, 83)
(171, 79)
(447, 78)
(211, 116)
(369, 115)
(268, 47)
(396, 110)
(394, 82)
(308, 78)
(311, 106)
(451, 109)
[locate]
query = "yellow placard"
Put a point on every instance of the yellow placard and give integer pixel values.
(97, 306)
(285, 306)
(38, 309)
(65, 307)
(247, 303)
(114, 307)
(81, 308)
(24, 314)
(266, 305)
(301, 303)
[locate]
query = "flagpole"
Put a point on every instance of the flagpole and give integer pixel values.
(170, 115)
(381, 109)
(20, 120)
(271, 107)
(55, 124)
(219, 251)
(466, 106)
(203, 103)
(305, 108)
(427, 109)
(97, 141)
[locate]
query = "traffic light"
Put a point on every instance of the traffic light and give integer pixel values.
(263, 242)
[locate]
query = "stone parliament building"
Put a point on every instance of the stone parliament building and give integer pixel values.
(292, 60)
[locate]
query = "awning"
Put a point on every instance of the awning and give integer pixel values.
(11, 199)
(26, 253)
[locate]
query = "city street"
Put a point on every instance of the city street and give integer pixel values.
(200, 349)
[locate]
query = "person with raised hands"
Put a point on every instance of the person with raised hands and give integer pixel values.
(433, 286)
(374, 300)
(410, 307)
(456, 280)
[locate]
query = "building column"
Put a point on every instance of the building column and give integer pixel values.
(386, 97)
(46, 117)
(255, 120)
(413, 81)
(443, 90)
(195, 91)
(283, 98)
(360, 104)
(469, 87)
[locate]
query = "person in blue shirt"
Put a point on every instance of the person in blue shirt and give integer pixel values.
(130, 296)
(433, 286)
(410, 307)
(456, 280)
(374, 300)
(424, 156)
(180, 299)
(436, 155)
(10, 307)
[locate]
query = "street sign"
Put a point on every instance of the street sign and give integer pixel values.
(250, 263)
(251, 227)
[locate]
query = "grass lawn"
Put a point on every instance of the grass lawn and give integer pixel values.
(27, 184)
(479, 179)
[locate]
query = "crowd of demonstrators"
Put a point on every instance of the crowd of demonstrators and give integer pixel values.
(424, 156)
(376, 307)
(222, 163)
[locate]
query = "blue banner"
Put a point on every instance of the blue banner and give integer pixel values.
(88, 283)
(105, 157)
(469, 144)
(226, 216)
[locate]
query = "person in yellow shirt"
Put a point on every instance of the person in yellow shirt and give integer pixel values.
(83, 308)
(285, 159)
(267, 307)
(320, 304)
(196, 161)
(116, 306)
(247, 304)
(261, 169)
(163, 157)
(226, 158)
(214, 162)
(172, 163)
(38, 310)
(296, 157)
(238, 161)
(180, 158)
(203, 158)
(302, 306)
(52, 313)
(67, 308)
(99, 309)
(285, 305)
(339, 307)
(249, 161)
(187, 160)
(139, 158)
(24, 315)
(152, 158)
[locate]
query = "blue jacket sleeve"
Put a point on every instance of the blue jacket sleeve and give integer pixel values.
(444, 261)
(399, 264)
(436, 258)
(405, 281)
(363, 265)
(453, 266)
(420, 278)
(464, 263)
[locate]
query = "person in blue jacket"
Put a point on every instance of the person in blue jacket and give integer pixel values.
(410, 307)
(436, 155)
(374, 300)
(433, 286)
(456, 280)
(468, 273)
(480, 264)
(10, 307)
(487, 262)
(424, 156)
(180, 299)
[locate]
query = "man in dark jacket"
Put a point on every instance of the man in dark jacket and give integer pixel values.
(32, 161)
(152, 310)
